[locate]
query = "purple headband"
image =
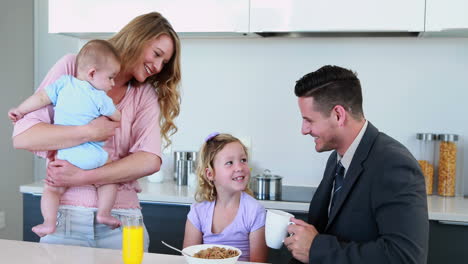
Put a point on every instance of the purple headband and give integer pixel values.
(210, 136)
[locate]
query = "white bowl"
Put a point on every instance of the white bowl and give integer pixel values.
(196, 248)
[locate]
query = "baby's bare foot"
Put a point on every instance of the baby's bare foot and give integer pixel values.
(44, 229)
(109, 220)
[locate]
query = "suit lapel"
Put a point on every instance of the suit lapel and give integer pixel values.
(318, 209)
(355, 169)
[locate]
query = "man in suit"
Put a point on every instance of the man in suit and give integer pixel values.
(370, 206)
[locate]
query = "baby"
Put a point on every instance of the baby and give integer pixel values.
(77, 101)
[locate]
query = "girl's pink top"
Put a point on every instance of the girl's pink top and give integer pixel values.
(139, 131)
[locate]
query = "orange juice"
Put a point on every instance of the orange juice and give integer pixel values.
(132, 244)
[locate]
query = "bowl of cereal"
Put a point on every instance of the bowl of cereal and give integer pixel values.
(211, 253)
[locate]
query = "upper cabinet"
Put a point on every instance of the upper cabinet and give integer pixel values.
(89, 17)
(337, 16)
(446, 15)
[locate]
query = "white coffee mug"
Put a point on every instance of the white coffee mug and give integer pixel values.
(276, 227)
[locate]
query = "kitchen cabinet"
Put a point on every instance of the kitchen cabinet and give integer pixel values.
(447, 242)
(447, 16)
(337, 16)
(87, 18)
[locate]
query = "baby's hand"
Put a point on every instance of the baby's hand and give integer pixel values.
(14, 114)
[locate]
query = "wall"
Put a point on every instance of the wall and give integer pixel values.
(245, 86)
(16, 73)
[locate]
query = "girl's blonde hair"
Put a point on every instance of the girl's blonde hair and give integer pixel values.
(130, 42)
(206, 190)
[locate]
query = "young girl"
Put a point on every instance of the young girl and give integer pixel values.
(226, 213)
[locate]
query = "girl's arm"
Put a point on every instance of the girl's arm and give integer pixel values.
(192, 236)
(258, 247)
(61, 173)
(44, 136)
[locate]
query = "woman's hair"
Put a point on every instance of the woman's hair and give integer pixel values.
(206, 190)
(96, 53)
(130, 42)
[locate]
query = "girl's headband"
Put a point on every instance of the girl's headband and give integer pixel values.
(210, 136)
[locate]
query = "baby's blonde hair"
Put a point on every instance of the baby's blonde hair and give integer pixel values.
(206, 191)
(96, 53)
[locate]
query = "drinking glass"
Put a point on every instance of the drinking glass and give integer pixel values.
(132, 239)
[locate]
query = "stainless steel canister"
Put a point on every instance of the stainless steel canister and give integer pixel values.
(267, 186)
(184, 164)
(182, 172)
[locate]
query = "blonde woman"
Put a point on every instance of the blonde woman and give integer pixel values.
(146, 93)
(226, 213)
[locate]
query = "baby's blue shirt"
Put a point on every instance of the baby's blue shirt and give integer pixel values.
(78, 103)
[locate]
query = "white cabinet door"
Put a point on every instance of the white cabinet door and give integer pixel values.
(109, 16)
(446, 15)
(337, 15)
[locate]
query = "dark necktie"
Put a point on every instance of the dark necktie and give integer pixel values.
(339, 177)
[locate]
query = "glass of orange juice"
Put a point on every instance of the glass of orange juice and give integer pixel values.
(132, 239)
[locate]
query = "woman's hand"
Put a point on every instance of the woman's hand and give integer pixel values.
(101, 129)
(61, 173)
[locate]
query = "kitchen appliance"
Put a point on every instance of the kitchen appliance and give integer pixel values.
(184, 165)
(267, 186)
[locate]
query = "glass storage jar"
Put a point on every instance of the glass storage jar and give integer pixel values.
(447, 174)
(426, 158)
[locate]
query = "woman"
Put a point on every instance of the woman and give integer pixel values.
(146, 92)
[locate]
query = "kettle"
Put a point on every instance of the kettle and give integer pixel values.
(267, 186)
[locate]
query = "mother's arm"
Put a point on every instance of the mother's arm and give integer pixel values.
(44, 136)
(132, 167)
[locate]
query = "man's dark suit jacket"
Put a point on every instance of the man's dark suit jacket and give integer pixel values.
(380, 215)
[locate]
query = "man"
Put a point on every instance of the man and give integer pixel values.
(370, 206)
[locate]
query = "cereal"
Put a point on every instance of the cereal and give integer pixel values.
(216, 253)
(428, 172)
(447, 168)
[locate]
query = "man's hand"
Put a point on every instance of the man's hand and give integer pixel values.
(101, 129)
(301, 240)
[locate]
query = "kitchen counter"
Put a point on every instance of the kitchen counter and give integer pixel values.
(169, 192)
(450, 209)
(12, 251)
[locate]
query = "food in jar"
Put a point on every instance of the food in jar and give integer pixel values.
(447, 168)
(216, 253)
(428, 172)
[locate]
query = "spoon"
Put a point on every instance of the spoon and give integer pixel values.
(176, 249)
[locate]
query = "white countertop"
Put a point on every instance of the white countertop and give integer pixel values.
(169, 192)
(20, 252)
(440, 208)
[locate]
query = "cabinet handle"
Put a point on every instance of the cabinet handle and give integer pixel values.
(453, 223)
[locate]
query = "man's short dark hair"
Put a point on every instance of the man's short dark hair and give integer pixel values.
(331, 86)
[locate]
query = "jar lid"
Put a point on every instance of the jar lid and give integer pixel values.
(426, 136)
(448, 137)
(268, 176)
